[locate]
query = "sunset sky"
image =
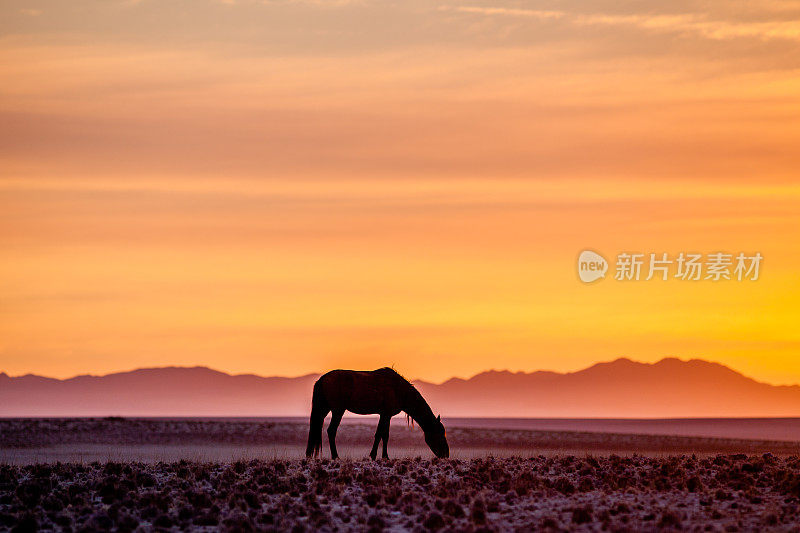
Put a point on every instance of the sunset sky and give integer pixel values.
(284, 187)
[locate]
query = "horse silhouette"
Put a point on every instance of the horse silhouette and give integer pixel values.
(383, 392)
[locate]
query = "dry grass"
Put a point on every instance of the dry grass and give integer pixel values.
(239, 475)
(724, 493)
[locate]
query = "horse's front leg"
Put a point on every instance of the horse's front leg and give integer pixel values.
(386, 437)
(383, 428)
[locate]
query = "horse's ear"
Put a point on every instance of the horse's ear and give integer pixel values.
(439, 418)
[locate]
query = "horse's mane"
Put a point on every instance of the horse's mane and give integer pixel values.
(394, 373)
(391, 370)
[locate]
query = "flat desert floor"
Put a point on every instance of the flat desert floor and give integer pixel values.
(200, 474)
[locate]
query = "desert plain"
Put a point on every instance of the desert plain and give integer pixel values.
(120, 474)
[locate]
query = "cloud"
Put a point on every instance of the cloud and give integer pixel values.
(316, 3)
(697, 24)
(31, 12)
(515, 12)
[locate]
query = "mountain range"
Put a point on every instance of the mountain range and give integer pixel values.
(622, 388)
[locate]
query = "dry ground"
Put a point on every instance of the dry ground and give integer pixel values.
(635, 493)
(498, 480)
(24, 441)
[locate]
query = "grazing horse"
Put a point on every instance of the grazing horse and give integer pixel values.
(383, 392)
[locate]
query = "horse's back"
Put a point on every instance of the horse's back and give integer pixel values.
(333, 383)
(340, 376)
(360, 391)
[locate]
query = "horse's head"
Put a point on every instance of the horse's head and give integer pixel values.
(436, 439)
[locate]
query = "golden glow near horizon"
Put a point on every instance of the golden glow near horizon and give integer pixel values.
(286, 187)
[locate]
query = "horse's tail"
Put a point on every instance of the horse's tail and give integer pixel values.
(319, 409)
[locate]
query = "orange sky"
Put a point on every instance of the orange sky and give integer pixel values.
(284, 187)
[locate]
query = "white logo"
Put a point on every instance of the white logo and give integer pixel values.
(685, 266)
(591, 266)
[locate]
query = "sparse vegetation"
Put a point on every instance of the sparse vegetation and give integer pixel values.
(547, 489)
(626, 493)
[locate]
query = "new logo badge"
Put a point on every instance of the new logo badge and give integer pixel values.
(591, 266)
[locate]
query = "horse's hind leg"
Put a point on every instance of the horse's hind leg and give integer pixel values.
(319, 410)
(336, 417)
(315, 433)
(383, 430)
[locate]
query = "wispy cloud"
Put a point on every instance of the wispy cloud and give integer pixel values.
(697, 24)
(317, 3)
(31, 12)
(514, 12)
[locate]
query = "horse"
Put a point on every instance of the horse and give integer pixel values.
(383, 392)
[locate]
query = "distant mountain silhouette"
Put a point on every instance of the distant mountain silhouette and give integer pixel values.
(618, 389)
(621, 389)
(169, 391)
